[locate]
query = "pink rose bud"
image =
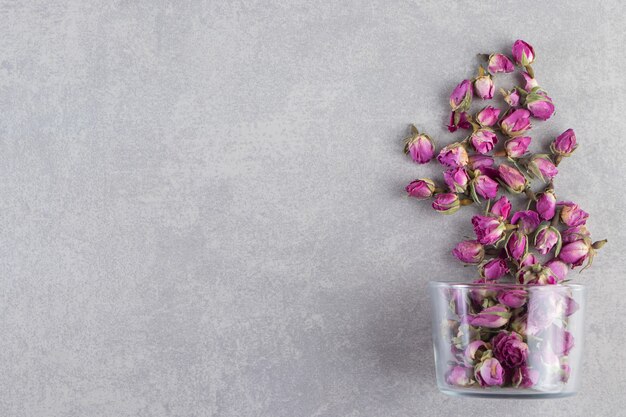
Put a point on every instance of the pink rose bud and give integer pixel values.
(458, 120)
(525, 377)
(469, 252)
(421, 189)
(574, 233)
(456, 179)
(539, 104)
(461, 97)
(489, 229)
(447, 203)
(459, 376)
(494, 269)
(516, 245)
(523, 53)
(542, 167)
(546, 204)
(536, 275)
(488, 116)
(489, 373)
(512, 298)
(517, 147)
(512, 98)
(510, 349)
(527, 221)
(453, 155)
(420, 147)
(576, 252)
(474, 350)
(528, 260)
(571, 214)
(499, 63)
(559, 268)
(483, 84)
(546, 238)
(480, 161)
(491, 317)
(530, 82)
(564, 144)
(515, 122)
(561, 340)
(512, 179)
(501, 208)
(483, 186)
(483, 140)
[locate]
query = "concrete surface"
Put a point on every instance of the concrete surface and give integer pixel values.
(202, 208)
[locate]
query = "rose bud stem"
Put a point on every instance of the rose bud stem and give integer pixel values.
(555, 219)
(492, 251)
(414, 129)
(466, 201)
(599, 244)
(558, 159)
(510, 227)
(530, 194)
(530, 71)
(500, 153)
(438, 190)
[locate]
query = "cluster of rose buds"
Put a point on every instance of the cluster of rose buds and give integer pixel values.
(507, 244)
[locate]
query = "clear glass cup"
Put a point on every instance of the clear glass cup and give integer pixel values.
(508, 340)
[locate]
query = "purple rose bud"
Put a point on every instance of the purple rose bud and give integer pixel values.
(528, 260)
(525, 377)
(474, 348)
(510, 349)
(539, 104)
(459, 120)
(564, 144)
(542, 167)
(461, 97)
(483, 85)
(517, 147)
(483, 140)
(494, 269)
(546, 238)
(459, 376)
(536, 275)
(512, 179)
(530, 82)
(546, 205)
(421, 189)
(516, 245)
(515, 122)
(453, 155)
(571, 214)
(489, 229)
(499, 63)
(469, 251)
(512, 298)
(560, 339)
(512, 98)
(420, 147)
(480, 161)
(576, 252)
(489, 373)
(456, 179)
(491, 317)
(523, 53)
(527, 221)
(575, 233)
(571, 306)
(488, 116)
(518, 324)
(447, 203)
(558, 268)
(484, 186)
(501, 208)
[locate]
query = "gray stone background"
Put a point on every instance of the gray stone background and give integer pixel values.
(202, 208)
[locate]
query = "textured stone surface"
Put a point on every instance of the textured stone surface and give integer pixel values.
(202, 208)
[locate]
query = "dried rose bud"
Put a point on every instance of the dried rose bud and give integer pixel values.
(515, 122)
(421, 189)
(537, 275)
(559, 268)
(474, 351)
(489, 229)
(571, 214)
(525, 377)
(483, 186)
(564, 144)
(576, 252)
(516, 245)
(574, 233)
(501, 208)
(539, 104)
(512, 179)
(499, 63)
(469, 251)
(526, 221)
(483, 84)
(528, 260)
(461, 97)
(546, 238)
(446, 203)
(489, 373)
(480, 161)
(420, 146)
(512, 298)
(546, 204)
(491, 317)
(453, 155)
(488, 116)
(523, 53)
(483, 140)
(512, 98)
(456, 179)
(458, 120)
(530, 82)
(542, 167)
(459, 376)
(517, 147)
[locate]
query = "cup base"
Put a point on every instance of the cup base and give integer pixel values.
(504, 393)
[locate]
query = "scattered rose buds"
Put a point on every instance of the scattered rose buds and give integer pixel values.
(458, 120)
(489, 229)
(454, 155)
(515, 122)
(512, 179)
(421, 189)
(469, 252)
(488, 116)
(539, 104)
(499, 63)
(564, 145)
(546, 204)
(483, 140)
(483, 84)
(523, 53)
(542, 167)
(419, 146)
(517, 147)
(461, 97)
(447, 203)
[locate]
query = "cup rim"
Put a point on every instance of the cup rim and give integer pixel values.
(456, 284)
